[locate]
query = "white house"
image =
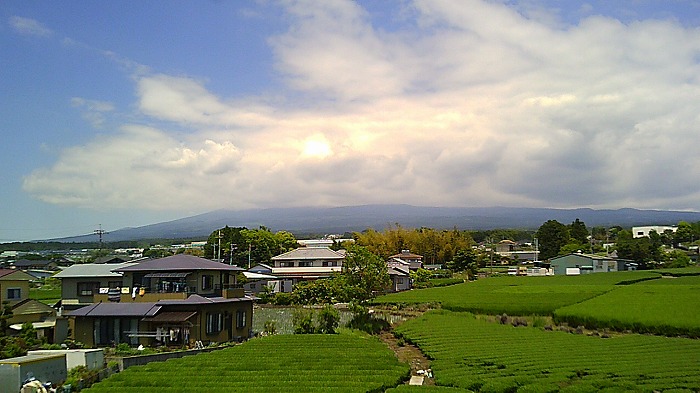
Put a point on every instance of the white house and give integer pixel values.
(644, 231)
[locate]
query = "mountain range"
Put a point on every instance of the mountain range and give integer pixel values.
(305, 221)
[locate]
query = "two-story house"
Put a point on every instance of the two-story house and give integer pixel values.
(14, 292)
(406, 259)
(303, 264)
(80, 283)
(175, 300)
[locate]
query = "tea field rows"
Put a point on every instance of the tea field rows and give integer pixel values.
(518, 295)
(282, 363)
(470, 353)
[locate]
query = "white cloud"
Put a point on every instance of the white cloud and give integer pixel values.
(28, 26)
(479, 106)
(93, 110)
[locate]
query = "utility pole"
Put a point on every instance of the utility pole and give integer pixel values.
(218, 258)
(249, 249)
(99, 232)
(233, 247)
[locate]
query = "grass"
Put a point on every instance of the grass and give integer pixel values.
(47, 296)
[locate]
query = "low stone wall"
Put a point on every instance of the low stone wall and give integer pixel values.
(128, 361)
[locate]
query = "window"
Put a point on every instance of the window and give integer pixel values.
(207, 282)
(400, 280)
(88, 288)
(305, 264)
(240, 319)
(215, 322)
(286, 264)
(114, 284)
(330, 263)
(14, 293)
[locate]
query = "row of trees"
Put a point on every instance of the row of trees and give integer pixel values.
(556, 239)
(436, 246)
(241, 246)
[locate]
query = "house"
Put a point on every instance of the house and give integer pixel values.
(505, 246)
(400, 279)
(645, 230)
(180, 322)
(305, 263)
(43, 264)
(176, 300)
(14, 289)
(578, 263)
(258, 282)
(406, 259)
(80, 283)
(113, 259)
(180, 274)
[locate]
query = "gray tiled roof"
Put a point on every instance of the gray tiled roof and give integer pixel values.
(91, 270)
(310, 253)
(178, 262)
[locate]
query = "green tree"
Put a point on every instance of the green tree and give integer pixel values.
(552, 236)
(676, 259)
(578, 232)
(683, 234)
(365, 274)
(464, 260)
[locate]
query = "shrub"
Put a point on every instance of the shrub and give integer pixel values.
(328, 319)
(303, 320)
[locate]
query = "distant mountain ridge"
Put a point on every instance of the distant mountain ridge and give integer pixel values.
(310, 220)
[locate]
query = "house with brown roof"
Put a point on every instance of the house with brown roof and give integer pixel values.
(176, 300)
(406, 259)
(14, 289)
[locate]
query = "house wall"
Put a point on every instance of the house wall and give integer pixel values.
(560, 264)
(311, 262)
(84, 329)
(69, 287)
(194, 281)
(5, 285)
(400, 283)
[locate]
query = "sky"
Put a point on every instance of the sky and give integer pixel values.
(122, 114)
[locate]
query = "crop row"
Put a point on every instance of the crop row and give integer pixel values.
(510, 295)
(289, 363)
(471, 353)
(665, 306)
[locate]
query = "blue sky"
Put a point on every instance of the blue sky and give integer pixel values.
(130, 113)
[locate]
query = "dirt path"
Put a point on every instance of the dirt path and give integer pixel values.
(409, 354)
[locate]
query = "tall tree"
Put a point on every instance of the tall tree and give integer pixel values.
(365, 273)
(552, 235)
(578, 231)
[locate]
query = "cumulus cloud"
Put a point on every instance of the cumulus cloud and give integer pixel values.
(28, 26)
(472, 103)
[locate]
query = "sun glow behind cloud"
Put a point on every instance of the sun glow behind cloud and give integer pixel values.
(453, 110)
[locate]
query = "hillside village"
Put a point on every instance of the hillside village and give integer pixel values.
(203, 293)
